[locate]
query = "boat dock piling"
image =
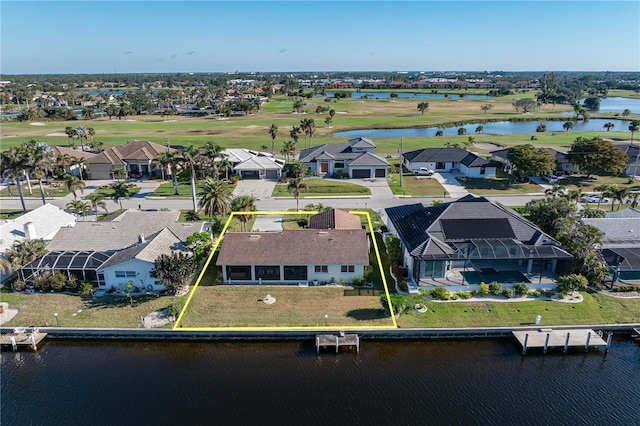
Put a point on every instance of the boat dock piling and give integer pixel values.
(23, 337)
(328, 340)
(545, 338)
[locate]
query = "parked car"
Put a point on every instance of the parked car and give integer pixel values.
(423, 171)
(595, 199)
(550, 178)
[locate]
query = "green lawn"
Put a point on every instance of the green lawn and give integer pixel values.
(321, 187)
(415, 186)
(166, 189)
(588, 185)
(107, 192)
(595, 309)
(503, 183)
(10, 214)
(53, 189)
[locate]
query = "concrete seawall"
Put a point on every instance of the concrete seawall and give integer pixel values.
(266, 335)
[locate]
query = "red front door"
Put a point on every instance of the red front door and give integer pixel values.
(324, 167)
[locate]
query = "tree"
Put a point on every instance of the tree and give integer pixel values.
(609, 126)
(225, 166)
(163, 159)
(273, 132)
(188, 158)
(462, 131)
(486, 107)
(215, 197)
(479, 129)
(525, 105)
(298, 106)
(572, 282)
(592, 103)
(529, 161)
(119, 173)
(555, 190)
(174, 270)
(70, 135)
(22, 252)
(96, 200)
(79, 207)
(633, 127)
(288, 150)
(604, 190)
(567, 125)
(243, 203)
(423, 106)
(13, 164)
(626, 112)
(328, 120)
(439, 132)
(394, 249)
(120, 191)
(80, 163)
(295, 186)
(295, 133)
(200, 244)
(618, 194)
(74, 184)
(298, 169)
(596, 154)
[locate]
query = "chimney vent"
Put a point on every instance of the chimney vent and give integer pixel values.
(29, 231)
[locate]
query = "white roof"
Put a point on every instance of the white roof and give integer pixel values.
(46, 220)
(260, 163)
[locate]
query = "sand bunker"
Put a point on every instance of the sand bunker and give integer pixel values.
(38, 123)
(57, 134)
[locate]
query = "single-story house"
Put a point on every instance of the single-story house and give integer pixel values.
(136, 157)
(355, 159)
(110, 253)
(250, 164)
(620, 244)
(41, 223)
(445, 160)
(473, 240)
(563, 165)
(633, 162)
(73, 169)
(293, 256)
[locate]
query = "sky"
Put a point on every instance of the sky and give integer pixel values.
(55, 37)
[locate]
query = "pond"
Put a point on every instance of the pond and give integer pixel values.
(617, 104)
(495, 128)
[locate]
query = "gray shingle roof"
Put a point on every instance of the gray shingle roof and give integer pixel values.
(618, 232)
(337, 151)
(361, 142)
(369, 159)
(629, 212)
(162, 242)
(445, 155)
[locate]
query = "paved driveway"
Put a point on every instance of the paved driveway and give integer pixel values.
(451, 184)
(379, 187)
(259, 189)
(267, 222)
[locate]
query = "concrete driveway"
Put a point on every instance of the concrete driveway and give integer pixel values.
(259, 189)
(451, 184)
(379, 187)
(267, 223)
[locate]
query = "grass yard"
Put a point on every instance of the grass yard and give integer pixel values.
(322, 187)
(107, 192)
(109, 311)
(53, 189)
(242, 306)
(502, 184)
(595, 309)
(10, 214)
(424, 186)
(166, 189)
(588, 185)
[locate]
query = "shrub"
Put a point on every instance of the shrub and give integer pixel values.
(86, 289)
(508, 293)
(520, 289)
(58, 281)
(42, 283)
(19, 285)
(73, 284)
(473, 293)
(548, 293)
(303, 223)
(626, 288)
(455, 296)
(398, 302)
(403, 286)
(439, 293)
(357, 281)
(495, 289)
(572, 282)
(537, 293)
(175, 308)
(484, 289)
(464, 294)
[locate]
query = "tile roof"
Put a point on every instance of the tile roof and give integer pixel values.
(123, 231)
(134, 150)
(72, 152)
(46, 220)
(295, 247)
(334, 219)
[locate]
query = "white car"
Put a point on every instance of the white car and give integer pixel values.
(596, 199)
(423, 171)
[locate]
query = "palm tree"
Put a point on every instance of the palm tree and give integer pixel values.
(486, 107)
(633, 127)
(79, 207)
(295, 133)
(574, 195)
(555, 190)
(225, 165)
(70, 135)
(243, 203)
(273, 131)
(633, 199)
(22, 252)
(173, 160)
(626, 112)
(215, 197)
(604, 190)
(618, 194)
(296, 186)
(423, 106)
(163, 160)
(479, 129)
(568, 125)
(119, 173)
(73, 184)
(63, 160)
(81, 132)
(189, 158)
(13, 164)
(609, 126)
(120, 191)
(41, 160)
(96, 200)
(80, 163)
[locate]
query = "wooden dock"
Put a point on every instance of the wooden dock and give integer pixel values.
(337, 341)
(546, 338)
(23, 338)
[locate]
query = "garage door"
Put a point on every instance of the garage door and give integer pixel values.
(272, 174)
(381, 173)
(250, 174)
(361, 174)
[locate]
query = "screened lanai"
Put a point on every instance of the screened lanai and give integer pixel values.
(83, 264)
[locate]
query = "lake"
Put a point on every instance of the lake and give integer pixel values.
(495, 128)
(277, 383)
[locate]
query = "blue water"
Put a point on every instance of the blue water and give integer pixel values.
(496, 128)
(477, 382)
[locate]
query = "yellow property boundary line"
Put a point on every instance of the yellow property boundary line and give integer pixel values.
(177, 327)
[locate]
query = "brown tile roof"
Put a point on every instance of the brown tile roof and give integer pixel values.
(334, 219)
(134, 150)
(72, 152)
(295, 247)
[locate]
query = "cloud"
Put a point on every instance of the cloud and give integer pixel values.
(284, 49)
(128, 52)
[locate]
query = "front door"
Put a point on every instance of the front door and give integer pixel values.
(324, 167)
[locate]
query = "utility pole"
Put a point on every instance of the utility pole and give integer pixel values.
(401, 161)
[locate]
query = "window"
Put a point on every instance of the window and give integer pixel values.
(268, 273)
(322, 268)
(482, 170)
(120, 274)
(339, 165)
(241, 272)
(295, 273)
(440, 165)
(347, 268)
(131, 274)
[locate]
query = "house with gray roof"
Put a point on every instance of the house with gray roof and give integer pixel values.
(620, 245)
(110, 253)
(473, 240)
(250, 164)
(632, 152)
(563, 164)
(356, 159)
(449, 160)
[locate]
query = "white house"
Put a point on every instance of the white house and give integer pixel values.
(444, 160)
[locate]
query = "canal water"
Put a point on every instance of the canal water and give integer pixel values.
(475, 382)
